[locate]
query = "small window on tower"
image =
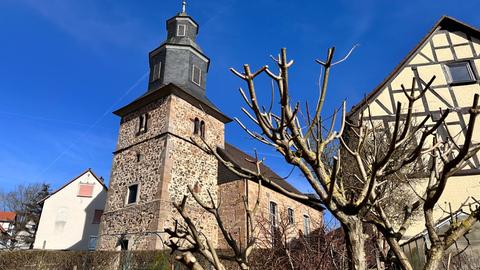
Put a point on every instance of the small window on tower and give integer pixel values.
(460, 72)
(142, 123)
(196, 75)
(181, 30)
(202, 129)
(157, 68)
(132, 194)
(196, 126)
(97, 216)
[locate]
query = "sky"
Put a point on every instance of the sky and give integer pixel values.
(66, 65)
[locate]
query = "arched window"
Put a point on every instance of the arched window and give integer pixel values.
(202, 129)
(142, 123)
(196, 126)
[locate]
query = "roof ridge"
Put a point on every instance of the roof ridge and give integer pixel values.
(444, 20)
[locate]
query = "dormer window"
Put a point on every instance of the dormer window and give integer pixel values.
(142, 123)
(157, 68)
(181, 30)
(460, 73)
(196, 75)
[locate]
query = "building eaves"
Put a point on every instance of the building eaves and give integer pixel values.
(445, 22)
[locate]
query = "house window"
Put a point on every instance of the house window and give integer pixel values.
(157, 68)
(306, 224)
(61, 220)
(97, 216)
(142, 123)
(92, 242)
(196, 75)
(132, 194)
(181, 30)
(273, 214)
(460, 72)
(85, 190)
(291, 219)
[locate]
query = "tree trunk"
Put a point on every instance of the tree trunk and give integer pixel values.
(401, 257)
(355, 242)
(434, 258)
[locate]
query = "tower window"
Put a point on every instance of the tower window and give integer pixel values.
(181, 30)
(291, 218)
(123, 244)
(306, 224)
(142, 123)
(196, 126)
(196, 75)
(202, 129)
(97, 216)
(199, 127)
(157, 68)
(460, 72)
(132, 194)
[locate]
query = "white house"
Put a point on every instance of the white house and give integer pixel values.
(71, 215)
(6, 221)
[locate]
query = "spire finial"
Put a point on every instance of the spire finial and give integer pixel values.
(184, 6)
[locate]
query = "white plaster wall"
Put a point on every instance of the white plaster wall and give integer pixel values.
(78, 213)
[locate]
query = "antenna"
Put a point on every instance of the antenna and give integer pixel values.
(184, 6)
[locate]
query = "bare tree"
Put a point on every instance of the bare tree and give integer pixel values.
(23, 200)
(187, 240)
(302, 143)
(357, 197)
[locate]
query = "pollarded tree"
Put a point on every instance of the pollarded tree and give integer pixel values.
(356, 197)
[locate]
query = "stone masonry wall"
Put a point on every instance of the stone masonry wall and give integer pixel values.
(233, 213)
(283, 203)
(189, 165)
(139, 159)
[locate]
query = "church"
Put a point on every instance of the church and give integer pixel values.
(155, 161)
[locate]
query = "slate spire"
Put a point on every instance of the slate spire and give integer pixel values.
(179, 59)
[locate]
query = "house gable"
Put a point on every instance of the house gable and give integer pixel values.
(448, 42)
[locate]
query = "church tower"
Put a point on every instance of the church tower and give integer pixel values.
(154, 161)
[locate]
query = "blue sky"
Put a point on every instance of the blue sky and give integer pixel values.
(66, 65)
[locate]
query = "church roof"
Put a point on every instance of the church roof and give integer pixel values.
(445, 22)
(239, 159)
(193, 97)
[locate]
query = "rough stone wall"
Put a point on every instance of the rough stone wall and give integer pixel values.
(157, 124)
(283, 203)
(234, 218)
(232, 211)
(188, 165)
(145, 170)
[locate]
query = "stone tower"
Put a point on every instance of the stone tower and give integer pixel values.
(154, 161)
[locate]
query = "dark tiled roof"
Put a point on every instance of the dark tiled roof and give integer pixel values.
(239, 158)
(445, 22)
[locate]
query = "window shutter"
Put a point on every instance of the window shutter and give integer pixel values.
(85, 190)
